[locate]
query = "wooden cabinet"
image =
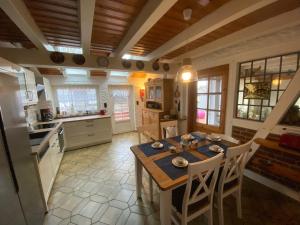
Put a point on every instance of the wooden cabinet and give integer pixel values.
(87, 132)
(159, 102)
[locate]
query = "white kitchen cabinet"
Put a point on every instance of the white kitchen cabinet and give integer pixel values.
(88, 132)
(32, 97)
(28, 89)
(49, 165)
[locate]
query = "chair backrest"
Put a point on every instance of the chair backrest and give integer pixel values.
(206, 173)
(234, 165)
(142, 134)
(227, 138)
(169, 129)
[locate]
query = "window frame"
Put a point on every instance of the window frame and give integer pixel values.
(68, 86)
(265, 74)
(222, 71)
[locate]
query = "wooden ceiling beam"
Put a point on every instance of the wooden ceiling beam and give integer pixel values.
(87, 10)
(149, 15)
(272, 25)
(20, 15)
(227, 13)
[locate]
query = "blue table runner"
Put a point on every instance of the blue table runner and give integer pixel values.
(149, 151)
(165, 164)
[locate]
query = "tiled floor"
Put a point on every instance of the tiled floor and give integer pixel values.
(96, 185)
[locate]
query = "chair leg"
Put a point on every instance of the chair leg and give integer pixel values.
(210, 216)
(220, 210)
(151, 188)
(239, 203)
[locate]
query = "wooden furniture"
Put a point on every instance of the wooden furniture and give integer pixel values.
(273, 160)
(140, 131)
(227, 138)
(158, 102)
(197, 196)
(164, 182)
(165, 126)
(88, 132)
(231, 178)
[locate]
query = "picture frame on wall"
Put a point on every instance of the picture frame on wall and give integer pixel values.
(260, 90)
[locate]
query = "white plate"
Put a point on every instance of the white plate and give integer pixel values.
(176, 163)
(213, 139)
(216, 148)
(157, 147)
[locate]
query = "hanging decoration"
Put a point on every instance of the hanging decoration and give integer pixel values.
(57, 57)
(78, 59)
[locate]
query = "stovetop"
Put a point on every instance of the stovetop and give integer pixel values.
(44, 126)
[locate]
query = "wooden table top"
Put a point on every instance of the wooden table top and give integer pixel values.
(159, 176)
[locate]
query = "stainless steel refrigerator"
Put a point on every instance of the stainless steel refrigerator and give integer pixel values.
(21, 201)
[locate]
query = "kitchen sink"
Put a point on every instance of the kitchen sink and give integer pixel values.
(37, 138)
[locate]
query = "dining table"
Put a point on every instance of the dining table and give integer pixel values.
(158, 163)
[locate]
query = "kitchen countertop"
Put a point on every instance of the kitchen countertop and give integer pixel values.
(45, 143)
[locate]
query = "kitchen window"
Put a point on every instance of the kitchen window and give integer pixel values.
(77, 99)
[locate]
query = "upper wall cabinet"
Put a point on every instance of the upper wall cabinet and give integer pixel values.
(28, 87)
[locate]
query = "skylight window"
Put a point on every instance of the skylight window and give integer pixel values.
(63, 49)
(79, 72)
(119, 73)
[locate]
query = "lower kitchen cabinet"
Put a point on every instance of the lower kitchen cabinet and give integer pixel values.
(83, 133)
(49, 165)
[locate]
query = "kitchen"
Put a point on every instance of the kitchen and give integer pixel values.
(108, 106)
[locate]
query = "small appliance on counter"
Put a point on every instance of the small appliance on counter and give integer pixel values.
(46, 110)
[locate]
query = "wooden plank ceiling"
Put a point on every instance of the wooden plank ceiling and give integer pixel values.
(172, 23)
(9, 32)
(112, 19)
(58, 20)
(50, 71)
(260, 15)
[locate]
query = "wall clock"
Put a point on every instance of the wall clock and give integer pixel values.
(155, 66)
(166, 67)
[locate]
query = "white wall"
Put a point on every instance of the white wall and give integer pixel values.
(260, 48)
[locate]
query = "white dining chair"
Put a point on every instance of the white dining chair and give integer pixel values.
(196, 197)
(169, 129)
(227, 138)
(230, 181)
(142, 135)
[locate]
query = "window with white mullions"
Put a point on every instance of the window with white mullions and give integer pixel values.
(121, 104)
(209, 92)
(77, 99)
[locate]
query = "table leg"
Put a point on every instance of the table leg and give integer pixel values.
(165, 207)
(138, 177)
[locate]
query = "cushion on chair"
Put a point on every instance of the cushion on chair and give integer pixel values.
(170, 132)
(178, 194)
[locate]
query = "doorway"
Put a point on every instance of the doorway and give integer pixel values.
(121, 108)
(207, 100)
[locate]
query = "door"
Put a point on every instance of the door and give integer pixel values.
(207, 100)
(121, 107)
(19, 182)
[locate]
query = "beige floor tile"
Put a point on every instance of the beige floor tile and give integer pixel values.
(111, 215)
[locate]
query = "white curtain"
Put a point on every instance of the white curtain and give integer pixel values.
(77, 98)
(121, 104)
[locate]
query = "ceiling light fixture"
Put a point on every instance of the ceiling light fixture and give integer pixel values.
(204, 2)
(186, 73)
